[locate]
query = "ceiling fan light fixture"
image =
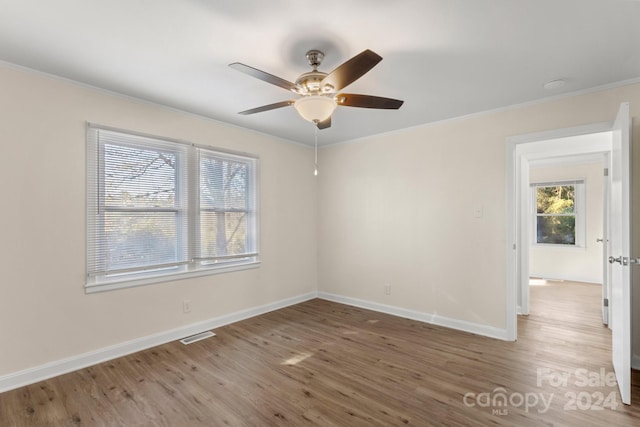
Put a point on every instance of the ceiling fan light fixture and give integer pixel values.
(315, 108)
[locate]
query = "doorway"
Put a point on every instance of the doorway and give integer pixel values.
(522, 152)
(614, 141)
(568, 236)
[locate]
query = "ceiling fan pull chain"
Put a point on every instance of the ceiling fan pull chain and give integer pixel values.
(315, 172)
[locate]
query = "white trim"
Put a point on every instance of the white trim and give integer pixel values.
(431, 318)
(513, 308)
(563, 278)
(104, 286)
(556, 247)
(148, 102)
(579, 213)
(520, 151)
(73, 363)
(635, 362)
(600, 127)
(186, 209)
(586, 91)
(506, 108)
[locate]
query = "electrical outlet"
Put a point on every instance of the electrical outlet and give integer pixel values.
(186, 306)
(387, 289)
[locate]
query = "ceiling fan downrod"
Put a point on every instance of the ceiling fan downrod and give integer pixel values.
(315, 57)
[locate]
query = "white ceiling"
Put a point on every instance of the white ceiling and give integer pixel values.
(444, 58)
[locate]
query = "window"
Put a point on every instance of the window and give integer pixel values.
(226, 210)
(159, 209)
(559, 213)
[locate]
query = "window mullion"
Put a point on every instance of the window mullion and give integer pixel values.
(145, 216)
(194, 206)
(558, 214)
(101, 261)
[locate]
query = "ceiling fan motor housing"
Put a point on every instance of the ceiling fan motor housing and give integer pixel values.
(310, 83)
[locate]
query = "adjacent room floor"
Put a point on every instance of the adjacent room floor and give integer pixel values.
(327, 364)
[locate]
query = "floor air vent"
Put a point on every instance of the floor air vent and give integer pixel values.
(197, 337)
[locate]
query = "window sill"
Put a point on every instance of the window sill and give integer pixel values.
(102, 285)
(561, 248)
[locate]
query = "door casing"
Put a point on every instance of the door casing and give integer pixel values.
(521, 149)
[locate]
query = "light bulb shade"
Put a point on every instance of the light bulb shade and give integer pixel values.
(315, 108)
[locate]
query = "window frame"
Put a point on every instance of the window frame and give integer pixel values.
(187, 187)
(250, 210)
(579, 213)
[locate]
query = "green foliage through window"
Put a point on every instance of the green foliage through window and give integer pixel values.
(556, 214)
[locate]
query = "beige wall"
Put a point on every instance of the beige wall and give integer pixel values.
(45, 314)
(396, 208)
(399, 208)
(581, 264)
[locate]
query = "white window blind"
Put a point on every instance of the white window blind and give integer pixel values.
(226, 208)
(157, 208)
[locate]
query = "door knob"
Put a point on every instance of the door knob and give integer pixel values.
(599, 240)
(612, 260)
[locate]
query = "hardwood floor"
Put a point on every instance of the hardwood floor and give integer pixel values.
(327, 364)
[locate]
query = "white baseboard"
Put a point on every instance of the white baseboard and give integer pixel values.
(635, 362)
(73, 363)
(63, 366)
(434, 319)
(556, 277)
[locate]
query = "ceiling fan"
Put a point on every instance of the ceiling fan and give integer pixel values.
(320, 92)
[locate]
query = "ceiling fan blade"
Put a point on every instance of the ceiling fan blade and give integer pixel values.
(267, 107)
(352, 70)
(264, 76)
(367, 101)
(326, 123)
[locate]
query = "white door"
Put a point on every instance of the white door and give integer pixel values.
(606, 268)
(620, 248)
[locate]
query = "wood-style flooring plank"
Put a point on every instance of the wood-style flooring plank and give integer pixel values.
(326, 364)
